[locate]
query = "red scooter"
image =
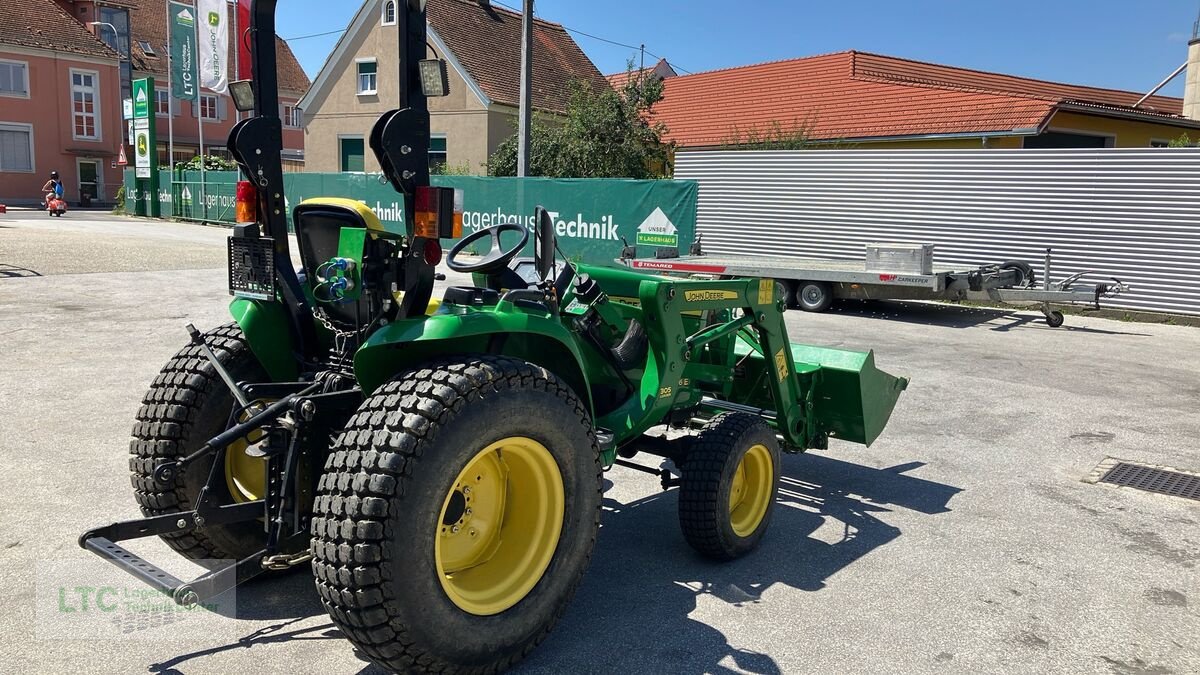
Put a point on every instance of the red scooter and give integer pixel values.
(55, 205)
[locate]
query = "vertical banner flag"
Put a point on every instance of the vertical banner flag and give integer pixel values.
(213, 28)
(182, 20)
(244, 69)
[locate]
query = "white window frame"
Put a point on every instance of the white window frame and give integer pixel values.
(25, 69)
(158, 91)
(96, 105)
(383, 12)
(295, 120)
(358, 77)
(216, 111)
(79, 161)
(28, 128)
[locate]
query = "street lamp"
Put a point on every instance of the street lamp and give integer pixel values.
(127, 57)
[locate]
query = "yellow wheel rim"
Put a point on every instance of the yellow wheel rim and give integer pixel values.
(750, 494)
(499, 526)
(245, 475)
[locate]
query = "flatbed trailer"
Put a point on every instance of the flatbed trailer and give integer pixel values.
(812, 284)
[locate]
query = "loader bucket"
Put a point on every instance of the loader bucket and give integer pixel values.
(852, 398)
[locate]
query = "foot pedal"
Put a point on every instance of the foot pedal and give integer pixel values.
(605, 439)
(119, 556)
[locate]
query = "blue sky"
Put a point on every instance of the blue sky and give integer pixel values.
(1124, 44)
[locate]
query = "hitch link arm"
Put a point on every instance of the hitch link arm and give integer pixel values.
(198, 340)
(166, 472)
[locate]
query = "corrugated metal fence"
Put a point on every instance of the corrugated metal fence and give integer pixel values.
(1129, 213)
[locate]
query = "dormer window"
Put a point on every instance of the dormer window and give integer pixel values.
(146, 48)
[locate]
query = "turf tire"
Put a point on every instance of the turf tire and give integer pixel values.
(380, 498)
(708, 471)
(188, 404)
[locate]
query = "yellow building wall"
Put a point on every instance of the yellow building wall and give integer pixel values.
(1129, 133)
(936, 144)
(1126, 133)
(461, 116)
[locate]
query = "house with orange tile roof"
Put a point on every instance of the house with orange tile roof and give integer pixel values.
(66, 66)
(864, 100)
(481, 43)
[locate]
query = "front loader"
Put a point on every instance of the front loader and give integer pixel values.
(437, 462)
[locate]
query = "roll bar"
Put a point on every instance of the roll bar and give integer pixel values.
(400, 141)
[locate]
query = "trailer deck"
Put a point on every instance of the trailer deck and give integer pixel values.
(812, 283)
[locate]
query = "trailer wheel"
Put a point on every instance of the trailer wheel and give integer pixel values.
(188, 404)
(814, 296)
(457, 515)
(1055, 319)
(730, 477)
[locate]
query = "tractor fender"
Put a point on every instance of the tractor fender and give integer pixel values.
(538, 339)
(265, 326)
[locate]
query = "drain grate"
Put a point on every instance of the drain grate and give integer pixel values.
(1153, 479)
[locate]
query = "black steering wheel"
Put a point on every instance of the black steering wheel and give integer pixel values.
(495, 259)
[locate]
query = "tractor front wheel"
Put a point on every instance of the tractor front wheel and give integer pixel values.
(457, 515)
(730, 476)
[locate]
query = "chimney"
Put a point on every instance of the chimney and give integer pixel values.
(486, 4)
(1191, 88)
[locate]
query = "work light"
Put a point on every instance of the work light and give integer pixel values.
(242, 92)
(435, 79)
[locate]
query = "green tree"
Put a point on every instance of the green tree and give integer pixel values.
(777, 136)
(1182, 142)
(604, 134)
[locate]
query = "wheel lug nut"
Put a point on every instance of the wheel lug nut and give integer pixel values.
(454, 529)
(472, 532)
(468, 512)
(467, 490)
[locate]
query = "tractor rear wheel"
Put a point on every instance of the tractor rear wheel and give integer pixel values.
(457, 515)
(730, 476)
(187, 405)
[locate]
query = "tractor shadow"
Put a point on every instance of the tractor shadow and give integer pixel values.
(8, 271)
(948, 315)
(645, 582)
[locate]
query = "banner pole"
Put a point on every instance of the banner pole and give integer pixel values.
(200, 125)
(170, 100)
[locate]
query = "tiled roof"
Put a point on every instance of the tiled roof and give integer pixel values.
(892, 69)
(487, 42)
(149, 19)
(851, 95)
(44, 24)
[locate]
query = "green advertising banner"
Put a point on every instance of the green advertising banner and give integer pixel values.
(592, 217)
(182, 20)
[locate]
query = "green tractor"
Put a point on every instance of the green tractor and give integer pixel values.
(438, 463)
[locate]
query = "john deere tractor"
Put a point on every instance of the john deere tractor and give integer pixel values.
(438, 462)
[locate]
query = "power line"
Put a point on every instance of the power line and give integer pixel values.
(601, 39)
(315, 35)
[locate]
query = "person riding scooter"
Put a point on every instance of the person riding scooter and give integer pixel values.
(53, 188)
(54, 204)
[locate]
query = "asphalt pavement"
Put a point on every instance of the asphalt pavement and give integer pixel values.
(964, 540)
